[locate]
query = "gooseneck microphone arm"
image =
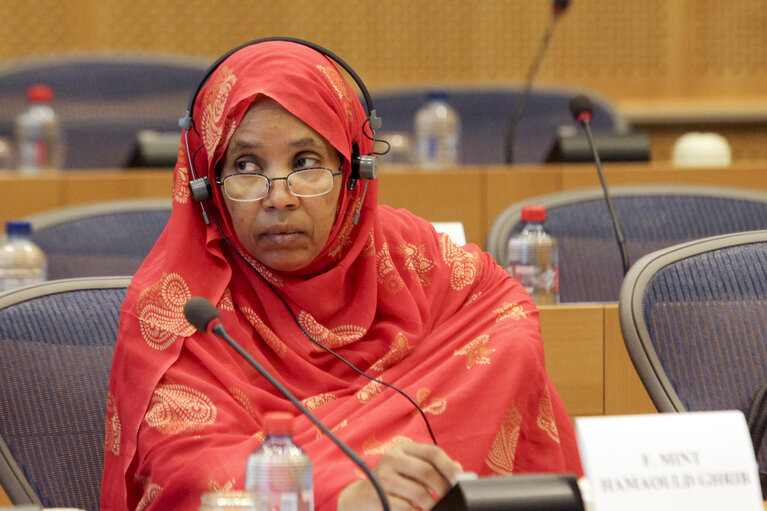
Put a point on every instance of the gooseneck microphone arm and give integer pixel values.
(204, 316)
(580, 107)
(511, 134)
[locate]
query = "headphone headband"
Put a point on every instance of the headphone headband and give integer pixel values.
(363, 166)
(375, 121)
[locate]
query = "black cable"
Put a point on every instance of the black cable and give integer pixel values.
(317, 343)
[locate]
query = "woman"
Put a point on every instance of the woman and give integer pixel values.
(303, 261)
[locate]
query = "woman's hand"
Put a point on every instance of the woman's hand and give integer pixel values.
(413, 476)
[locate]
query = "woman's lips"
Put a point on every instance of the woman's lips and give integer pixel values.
(282, 235)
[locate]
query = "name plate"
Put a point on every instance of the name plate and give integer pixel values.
(698, 460)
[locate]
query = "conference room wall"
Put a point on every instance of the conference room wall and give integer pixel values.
(624, 49)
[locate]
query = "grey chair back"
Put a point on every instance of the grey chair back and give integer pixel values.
(486, 113)
(56, 345)
(101, 239)
(103, 100)
(652, 217)
(694, 320)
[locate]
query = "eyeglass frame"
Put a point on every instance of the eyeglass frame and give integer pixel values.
(269, 180)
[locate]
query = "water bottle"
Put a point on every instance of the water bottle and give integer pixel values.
(532, 257)
(38, 134)
(437, 132)
(22, 263)
(279, 471)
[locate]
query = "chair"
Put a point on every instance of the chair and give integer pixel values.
(486, 112)
(651, 217)
(56, 344)
(104, 100)
(107, 238)
(694, 320)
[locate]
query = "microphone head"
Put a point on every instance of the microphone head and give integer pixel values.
(200, 312)
(560, 6)
(581, 108)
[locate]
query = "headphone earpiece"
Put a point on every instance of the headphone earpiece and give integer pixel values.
(364, 166)
(201, 189)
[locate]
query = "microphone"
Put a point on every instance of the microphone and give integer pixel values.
(559, 7)
(582, 110)
(205, 317)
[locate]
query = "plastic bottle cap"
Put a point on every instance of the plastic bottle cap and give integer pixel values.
(278, 423)
(18, 228)
(533, 214)
(39, 93)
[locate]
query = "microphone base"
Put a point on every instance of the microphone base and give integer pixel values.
(529, 492)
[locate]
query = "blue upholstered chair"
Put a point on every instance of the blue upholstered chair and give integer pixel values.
(652, 217)
(107, 238)
(103, 100)
(486, 112)
(56, 346)
(694, 320)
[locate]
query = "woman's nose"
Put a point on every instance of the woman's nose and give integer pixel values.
(279, 195)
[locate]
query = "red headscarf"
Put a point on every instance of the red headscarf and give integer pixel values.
(404, 304)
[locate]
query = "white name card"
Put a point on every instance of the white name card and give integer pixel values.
(452, 229)
(701, 461)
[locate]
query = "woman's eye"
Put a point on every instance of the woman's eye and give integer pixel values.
(306, 162)
(244, 166)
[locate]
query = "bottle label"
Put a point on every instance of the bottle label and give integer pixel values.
(543, 286)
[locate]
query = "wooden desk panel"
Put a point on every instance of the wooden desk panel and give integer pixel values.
(573, 340)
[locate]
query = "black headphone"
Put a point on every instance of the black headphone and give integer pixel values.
(363, 166)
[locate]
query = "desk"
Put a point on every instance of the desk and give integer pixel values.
(588, 361)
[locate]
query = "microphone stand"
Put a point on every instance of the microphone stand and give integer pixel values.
(511, 134)
(586, 123)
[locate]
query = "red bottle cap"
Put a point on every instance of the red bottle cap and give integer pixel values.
(533, 214)
(39, 93)
(278, 423)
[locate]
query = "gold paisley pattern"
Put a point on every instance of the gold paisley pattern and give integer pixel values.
(398, 350)
(510, 311)
(266, 333)
(387, 273)
(369, 250)
(214, 102)
(265, 271)
(181, 192)
(314, 402)
(226, 303)
(113, 427)
(331, 338)
(416, 261)
(340, 86)
(177, 409)
(545, 418)
(344, 237)
(242, 398)
(334, 429)
(369, 391)
(151, 491)
(504, 448)
(373, 446)
(160, 310)
(472, 298)
(217, 487)
(434, 406)
(476, 351)
(465, 267)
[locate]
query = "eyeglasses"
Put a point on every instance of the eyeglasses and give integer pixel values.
(309, 182)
